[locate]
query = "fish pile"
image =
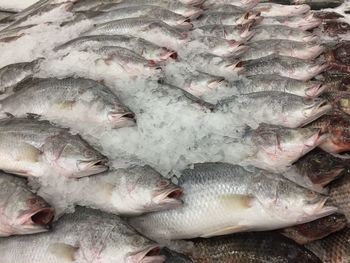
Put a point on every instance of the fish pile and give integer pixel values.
(152, 131)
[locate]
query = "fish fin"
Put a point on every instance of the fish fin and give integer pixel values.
(9, 115)
(28, 153)
(236, 202)
(33, 116)
(107, 189)
(66, 105)
(63, 252)
(225, 231)
(10, 39)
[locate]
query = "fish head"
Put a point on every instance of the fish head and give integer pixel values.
(191, 12)
(119, 116)
(314, 108)
(202, 84)
(280, 147)
(147, 191)
(335, 28)
(71, 156)
(314, 88)
(307, 22)
(27, 213)
(237, 47)
(165, 53)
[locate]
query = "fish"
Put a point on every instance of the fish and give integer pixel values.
(216, 65)
(174, 6)
(276, 148)
(4, 15)
(288, 48)
(266, 32)
(223, 199)
(334, 248)
(127, 192)
(22, 212)
(337, 126)
(126, 61)
(306, 22)
(150, 11)
(140, 46)
(222, 18)
(294, 68)
(293, 111)
(315, 230)
(339, 194)
(245, 4)
(31, 147)
(239, 33)
(219, 46)
(275, 10)
(152, 30)
(68, 101)
(84, 236)
(250, 247)
(317, 169)
(12, 74)
(314, 4)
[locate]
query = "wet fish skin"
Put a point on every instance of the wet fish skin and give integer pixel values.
(265, 32)
(250, 247)
(339, 194)
(337, 126)
(22, 212)
(147, 28)
(138, 45)
(68, 101)
(239, 33)
(84, 236)
(294, 111)
(276, 148)
(306, 22)
(222, 199)
(12, 74)
(314, 4)
(294, 68)
(334, 248)
(127, 192)
(280, 47)
(221, 18)
(33, 148)
(315, 230)
(273, 10)
(174, 6)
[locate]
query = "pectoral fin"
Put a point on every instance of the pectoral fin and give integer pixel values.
(28, 153)
(225, 231)
(236, 202)
(65, 253)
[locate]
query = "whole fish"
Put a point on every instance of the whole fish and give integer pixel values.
(126, 62)
(68, 101)
(288, 48)
(266, 32)
(250, 247)
(22, 212)
(239, 33)
(272, 9)
(150, 29)
(218, 46)
(276, 148)
(277, 108)
(222, 199)
(138, 45)
(306, 22)
(317, 169)
(315, 230)
(128, 192)
(339, 194)
(222, 18)
(12, 74)
(174, 6)
(36, 148)
(294, 68)
(314, 4)
(150, 11)
(337, 126)
(84, 236)
(334, 248)
(245, 4)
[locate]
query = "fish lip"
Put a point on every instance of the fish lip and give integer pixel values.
(169, 197)
(310, 22)
(151, 254)
(319, 208)
(93, 166)
(316, 89)
(316, 139)
(213, 84)
(122, 119)
(236, 66)
(166, 53)
(317, 110)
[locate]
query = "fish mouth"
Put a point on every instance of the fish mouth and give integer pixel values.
(149, 255)
(213, 84)
(166, 53)
(310, 22)
(318, 108)
(315, 89)
(43, 217)
(236, 67)
(122, 119)
(87, 168)
(317, 69)
(238, 48)
(185, 24)
(168, 198)
(318, 208)
(315, 140)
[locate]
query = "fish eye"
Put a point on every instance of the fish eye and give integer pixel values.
(343, 25)
(163, 183)
(88, 153)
